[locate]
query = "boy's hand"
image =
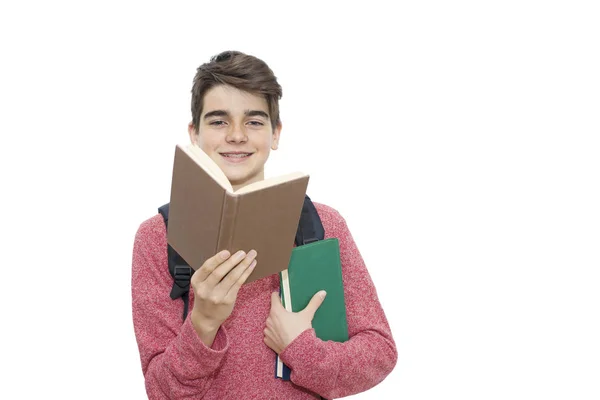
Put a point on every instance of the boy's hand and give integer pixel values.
(216, 284)
(284, 326)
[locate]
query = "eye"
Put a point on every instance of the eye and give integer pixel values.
(256, 123)
(217, 122)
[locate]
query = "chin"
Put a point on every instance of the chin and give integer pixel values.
(238, 179)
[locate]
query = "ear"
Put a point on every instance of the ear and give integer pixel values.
(276, 135)
(193, 132)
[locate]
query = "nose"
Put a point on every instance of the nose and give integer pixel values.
(236, 134)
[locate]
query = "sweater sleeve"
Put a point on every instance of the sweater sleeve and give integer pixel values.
(334, 369)
(175, 361)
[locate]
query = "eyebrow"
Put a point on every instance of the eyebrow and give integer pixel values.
(256, 113)
(248, 113)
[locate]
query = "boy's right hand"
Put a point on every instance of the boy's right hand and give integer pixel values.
(216, 284)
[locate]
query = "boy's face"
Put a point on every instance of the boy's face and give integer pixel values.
(235, 131)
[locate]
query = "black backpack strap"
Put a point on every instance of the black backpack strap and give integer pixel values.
(310, 228)
(178, 268)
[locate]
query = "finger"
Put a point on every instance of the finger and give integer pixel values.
(218, 273)
(269, 334)
(233, 291)
(209, 265)
(276, 302)
(314, 304)
(234, 275)
(269, 342)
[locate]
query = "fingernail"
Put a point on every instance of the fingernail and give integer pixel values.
(322, 293)
(240, 254)
(253, 264)
(224, 255)
(252, 253)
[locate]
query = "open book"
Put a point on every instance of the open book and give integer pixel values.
(206, 215)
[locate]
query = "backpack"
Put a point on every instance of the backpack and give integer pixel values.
(310, 229)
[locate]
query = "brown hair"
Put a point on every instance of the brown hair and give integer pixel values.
(242, 71)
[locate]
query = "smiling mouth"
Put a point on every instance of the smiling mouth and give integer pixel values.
(236, 155)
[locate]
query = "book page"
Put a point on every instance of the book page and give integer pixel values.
(207, 163)
(270, 182)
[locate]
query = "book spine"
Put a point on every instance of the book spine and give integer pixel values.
(227, 226)
(286, 296)
(281, 370)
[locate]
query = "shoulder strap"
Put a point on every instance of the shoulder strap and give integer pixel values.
(178, 268)
(310, 228)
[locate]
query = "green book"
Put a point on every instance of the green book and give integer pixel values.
(314, 267)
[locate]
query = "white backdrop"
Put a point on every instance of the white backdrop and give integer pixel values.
(458, 139)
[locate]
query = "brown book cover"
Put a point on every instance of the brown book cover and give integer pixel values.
(207, 216)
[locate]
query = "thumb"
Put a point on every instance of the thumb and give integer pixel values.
(315, 303)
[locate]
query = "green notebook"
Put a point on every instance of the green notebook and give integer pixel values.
(314, 267)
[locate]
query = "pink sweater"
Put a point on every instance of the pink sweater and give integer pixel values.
(178, 365)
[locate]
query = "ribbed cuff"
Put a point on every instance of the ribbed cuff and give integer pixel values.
(192, 357)
(303, 350)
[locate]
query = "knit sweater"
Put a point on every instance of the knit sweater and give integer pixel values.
(177, 365)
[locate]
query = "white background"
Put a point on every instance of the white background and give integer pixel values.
(458, 139)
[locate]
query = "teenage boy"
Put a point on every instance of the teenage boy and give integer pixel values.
(226, 347)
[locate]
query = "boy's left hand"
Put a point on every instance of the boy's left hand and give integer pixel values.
(284, 326)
